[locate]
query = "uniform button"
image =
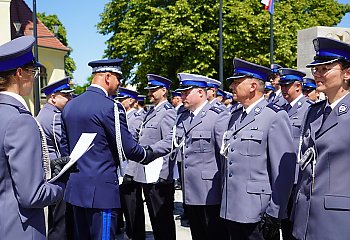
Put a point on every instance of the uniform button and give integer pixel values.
(234, 137)
(263, 190)
(232, 149)
(186, 156)
(230, 175)
(186, 146)
(230, 162)
(185, 165)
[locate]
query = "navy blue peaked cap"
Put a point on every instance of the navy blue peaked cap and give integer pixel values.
(329, 50)
(309, 83)
(156, 81)
(127, 93)
(268, 86)
(61, 85)
(189, 80)
(141, 98)
(275, 68)
(16, 53)
(244, 68)
(289, 75)
(228, 95)
(107, 65)
(175, 94)
(221, 92)
(213, 83)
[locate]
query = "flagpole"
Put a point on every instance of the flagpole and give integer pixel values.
(271, 39)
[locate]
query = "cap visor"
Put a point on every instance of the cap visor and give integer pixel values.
(67, 90)
(321, 62)
(183, 88)
(152, 87)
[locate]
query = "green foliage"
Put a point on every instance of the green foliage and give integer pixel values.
(49, 21)
(80, 89)
(170, 36)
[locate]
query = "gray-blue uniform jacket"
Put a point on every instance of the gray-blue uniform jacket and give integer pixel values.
(260, 164)
(49, 118)
(278, 100)
(200, 154)
(23, 189)
(296, 115)
(156, 131)
(322, 207)
(134, 120)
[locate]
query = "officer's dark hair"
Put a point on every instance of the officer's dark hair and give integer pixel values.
(344, 64)
(5, 77)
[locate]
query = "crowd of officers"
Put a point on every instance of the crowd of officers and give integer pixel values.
(268, 155)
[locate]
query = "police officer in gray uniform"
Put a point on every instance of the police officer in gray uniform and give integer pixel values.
(198, 138)
(276, 97)
(291, 86)
(24, 189)
(260, 159)
(128, 98)
(57, 93)
(321, 209)
(212, 90)
(155, 135)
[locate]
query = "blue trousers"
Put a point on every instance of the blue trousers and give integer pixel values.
(94, 224)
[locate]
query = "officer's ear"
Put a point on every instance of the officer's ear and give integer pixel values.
(347, 75)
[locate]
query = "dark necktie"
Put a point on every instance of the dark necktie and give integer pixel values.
(244, 114)
(326, 113)
(191, 117)
(288, 107)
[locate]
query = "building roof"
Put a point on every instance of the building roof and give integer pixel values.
(20, 12)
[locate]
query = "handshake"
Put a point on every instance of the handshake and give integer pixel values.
(150, 155)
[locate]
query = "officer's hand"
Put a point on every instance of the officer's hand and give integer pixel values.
(269, 226)
(127, 179)
(57, 165)
(162, 181)
(150, 156)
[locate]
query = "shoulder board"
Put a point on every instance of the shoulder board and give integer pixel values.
(217, 109)
(136, 114)
(168, 106)
(20, 109)
(275, 107)
(235, 109)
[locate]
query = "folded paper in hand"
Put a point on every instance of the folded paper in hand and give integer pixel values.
(83, 145)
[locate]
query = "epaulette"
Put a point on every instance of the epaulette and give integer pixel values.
(23, 110)
(275, 107)
(216, 109)
(136, 114)
(310, 102)
(168, 106)
(236, 108)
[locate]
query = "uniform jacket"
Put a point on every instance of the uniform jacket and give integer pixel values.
(296, 115)
(95, 185)
(260, 164)
(324, 212)
(134, 120)
(278, 100)
(200, 155)
(23, 190)
(49, 118)
(156, 131)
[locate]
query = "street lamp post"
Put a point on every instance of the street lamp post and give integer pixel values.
(221, 64)
(36, 83)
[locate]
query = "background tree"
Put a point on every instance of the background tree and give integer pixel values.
(170, 36)
(49, 21)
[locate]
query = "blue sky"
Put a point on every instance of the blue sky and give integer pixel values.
(80, 18)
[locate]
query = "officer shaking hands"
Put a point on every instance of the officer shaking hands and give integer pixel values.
(260, 158)
(24, 189)
(321, 209)
(93, 189)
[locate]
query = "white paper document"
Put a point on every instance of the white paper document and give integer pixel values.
(83, 145)
(152, 170)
